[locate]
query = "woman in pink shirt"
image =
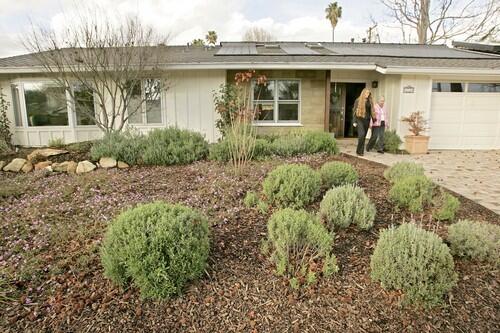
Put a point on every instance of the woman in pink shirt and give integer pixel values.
(378, 126)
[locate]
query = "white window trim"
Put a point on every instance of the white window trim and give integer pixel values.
(276, 122)
(466, 87)
(144, 123)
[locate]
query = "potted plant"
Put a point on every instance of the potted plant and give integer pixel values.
(416, 143)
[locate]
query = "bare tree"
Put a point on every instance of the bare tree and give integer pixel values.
(441, 20)
(257, 34)
(102, 63)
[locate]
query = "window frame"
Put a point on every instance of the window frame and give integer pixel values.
(143, 111)
(276, 102)
(463, 83)
(73, 108)
(482, 92)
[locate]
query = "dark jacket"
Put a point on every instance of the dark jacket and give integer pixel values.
(370, 112)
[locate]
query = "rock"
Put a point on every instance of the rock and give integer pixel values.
(107, 162)
(71, 167)
(42, 165)
(27, 167)
(85, 166)
(122, 165)
(15, 165)
(2, 164)
(46, 152)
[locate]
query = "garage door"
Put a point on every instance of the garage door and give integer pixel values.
(465, 120)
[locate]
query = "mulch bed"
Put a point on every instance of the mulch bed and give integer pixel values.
(50, 260)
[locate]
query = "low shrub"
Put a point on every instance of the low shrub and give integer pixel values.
(299, 246)
(413, 193)
(415, 261)
(347, 204)
(316, 142)
(292, 185)
(4, 147)
(169, 146)
(403, 169)
(56, 143)
(262, 149)
(288, 145)
(251, 199)
(445, 207)
(158, 247)
(220, 151)
(392, 141)
(475, 240)
(305, 142)
(122, 146)
(11, 189)
(262, 207)
(338, 173)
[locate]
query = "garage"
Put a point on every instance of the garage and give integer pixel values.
(465, 115)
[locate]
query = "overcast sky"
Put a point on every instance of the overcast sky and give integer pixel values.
(185, 20)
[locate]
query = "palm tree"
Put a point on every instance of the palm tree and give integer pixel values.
(333, 14)
(211, 38)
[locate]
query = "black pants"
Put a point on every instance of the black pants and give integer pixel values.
(363, 124)
(377, 138)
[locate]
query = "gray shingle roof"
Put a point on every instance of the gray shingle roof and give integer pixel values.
(383, 55)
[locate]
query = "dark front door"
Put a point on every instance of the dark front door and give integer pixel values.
(337, 108)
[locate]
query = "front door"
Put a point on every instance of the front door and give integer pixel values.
(337, 108)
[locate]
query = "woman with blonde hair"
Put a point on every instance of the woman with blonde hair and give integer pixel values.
(363, 112)
(378, 127)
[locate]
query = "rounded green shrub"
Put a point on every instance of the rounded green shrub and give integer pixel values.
(169, 146)
(392, 141)
(415, 261)
(475, 240)
(220, 151)
(122, 146)
(289, 145)
(251, 199)
(299, 246)
(159, 247)
(316, 142)
(292, 185)
(413, 193)
(446, 207)
(402, 170)
(347, 204)
(338, 173)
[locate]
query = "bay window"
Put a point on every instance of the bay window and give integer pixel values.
(145, 103)
(277, 102)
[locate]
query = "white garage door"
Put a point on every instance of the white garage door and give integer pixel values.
(465, 120)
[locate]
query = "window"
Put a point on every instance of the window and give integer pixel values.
(145, 102)
(448, 87)
(45, 104)
(484, 87)
(277, 102)
(84, 104)
(16, 104)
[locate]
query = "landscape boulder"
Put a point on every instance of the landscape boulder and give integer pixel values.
(85, 166)
(27, 167)
(122, 165)
(72, 165)
(42, 165)
(15, 165)
(45, 152)
(107, 162)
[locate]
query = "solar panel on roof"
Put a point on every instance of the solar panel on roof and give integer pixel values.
(237, 49)
(297, 49)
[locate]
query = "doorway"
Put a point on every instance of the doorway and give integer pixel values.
(342, 97)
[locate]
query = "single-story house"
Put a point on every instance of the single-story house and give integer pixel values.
(311, 86)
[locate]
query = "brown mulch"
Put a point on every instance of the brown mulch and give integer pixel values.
(50, 258)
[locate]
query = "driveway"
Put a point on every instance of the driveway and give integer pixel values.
(475, 174)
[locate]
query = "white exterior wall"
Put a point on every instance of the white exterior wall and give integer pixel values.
(187, 103)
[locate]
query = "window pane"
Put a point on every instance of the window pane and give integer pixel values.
(84, 105)
(134, 106)
(152, 89)
(264, 112)
(288, 90)
(45, 105)
(263, 92)
(16, 105)
(448, 87)
(288, 112)
(484, 87)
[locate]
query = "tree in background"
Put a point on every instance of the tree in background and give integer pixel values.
(436, 21)
(211, 38)
(198, 42)
(100, 61)
(333, 14)
(257, 34)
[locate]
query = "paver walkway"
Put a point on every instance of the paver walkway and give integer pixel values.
(475, 174)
